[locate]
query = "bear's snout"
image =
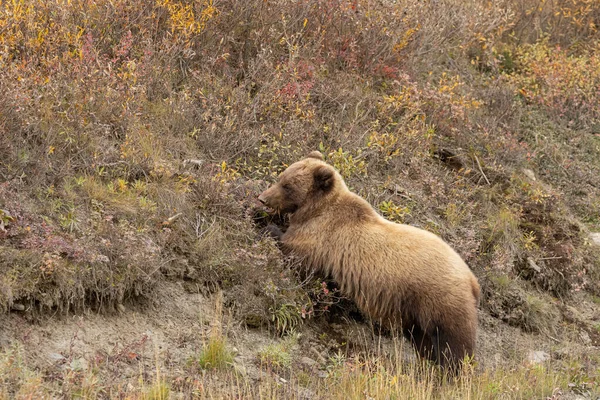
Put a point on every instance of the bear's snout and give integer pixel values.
(262, 199)
(265, 197)
(271, 198)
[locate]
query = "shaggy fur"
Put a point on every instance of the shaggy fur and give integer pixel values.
(397, 274)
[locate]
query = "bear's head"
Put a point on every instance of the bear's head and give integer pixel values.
(306, 180)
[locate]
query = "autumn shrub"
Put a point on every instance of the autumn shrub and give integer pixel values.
(566, 85)
(566, 21)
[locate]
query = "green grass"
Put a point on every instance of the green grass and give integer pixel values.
(158, 391)
(215, 355)
(279, 355)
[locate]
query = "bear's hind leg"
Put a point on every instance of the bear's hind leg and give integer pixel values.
(421, 341)
(451, 347)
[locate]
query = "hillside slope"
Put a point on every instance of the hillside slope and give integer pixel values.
(135, 137)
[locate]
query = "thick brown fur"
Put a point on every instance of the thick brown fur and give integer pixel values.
(397, 274)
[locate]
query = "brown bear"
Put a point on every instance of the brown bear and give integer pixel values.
(398, 275)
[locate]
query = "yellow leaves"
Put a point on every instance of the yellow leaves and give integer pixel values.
(37, 29)
(398, 101)
(184, 183)
(483, 41)
(393, 212)
(529, 241)
(128, 72)
(227, 174)
(40, 36)
(523, 92)
(448, 88)
(184, 17)
(476, 104)
(208, 13)
(557, 79)
(121, 185)
(384, 143)
(538, 196)
(347, 164)
(125, 149)
(5, 220)
(50, 150)
(406, 38)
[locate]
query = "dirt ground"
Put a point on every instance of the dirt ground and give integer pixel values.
(168, 332)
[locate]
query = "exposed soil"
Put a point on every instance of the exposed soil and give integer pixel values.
(172, 329)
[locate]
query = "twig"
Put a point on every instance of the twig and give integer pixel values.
(157, 268)
(112, 164)
(482, 173)
(199, 224)
(193, 162)
(318, 355)
(173, 218)
(553, 338)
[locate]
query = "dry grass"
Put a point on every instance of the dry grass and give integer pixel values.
(376, 374)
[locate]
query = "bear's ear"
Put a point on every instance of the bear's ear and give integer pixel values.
(324, 178)
(315, 154)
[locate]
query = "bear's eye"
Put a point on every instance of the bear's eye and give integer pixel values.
(286, 187)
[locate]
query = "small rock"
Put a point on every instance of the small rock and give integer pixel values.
(322, 374)
(497, 358)
(309, 362)
(317, 354)
(595, 236)
(537, 357)
(282, 380)
(574, 396)
(529, 173)
(570, 314)
(240, 370)
(306, 394)
(338, 327)
(191, 161)
(120, 308)
(585, 337)
(561, 354)
(18, 307)
(55, 357)
(533, 265)
(79, 364)
(253, 373)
